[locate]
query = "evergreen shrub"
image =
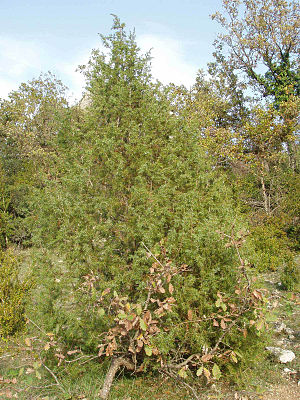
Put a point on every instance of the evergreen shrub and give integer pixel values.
(132, 176)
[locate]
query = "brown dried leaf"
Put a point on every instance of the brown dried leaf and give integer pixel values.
(171, 288)
(215, 323)
(109, 350)
(60, 356)
(73, 352)
(131, 349)
(257, 294)
(101, 349)
(206, 373)
(47, 346)
(206, 357)
(159, 311)
(147, 317)
(223, 324)
(8, 394)
(105, 292)
(128, 325)
(29, 371)
(190, 315)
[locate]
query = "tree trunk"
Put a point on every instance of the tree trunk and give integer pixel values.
(267, 205)
(291, 148)
(114, 366)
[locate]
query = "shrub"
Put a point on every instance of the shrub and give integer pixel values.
(271, 248)
(12, 295)
(136, 177)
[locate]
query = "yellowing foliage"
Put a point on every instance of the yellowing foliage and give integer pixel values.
(12, 295)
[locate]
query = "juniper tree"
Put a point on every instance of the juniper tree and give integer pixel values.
(133, 177)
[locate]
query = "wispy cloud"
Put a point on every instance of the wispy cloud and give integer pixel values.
(22, 60)
(73, 78)
(19, 60)
(168, 61)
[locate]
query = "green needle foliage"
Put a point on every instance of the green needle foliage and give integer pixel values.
(132, 175)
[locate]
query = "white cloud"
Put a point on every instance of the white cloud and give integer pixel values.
(22, 60)
(168, 63)
(74, 79)
(19, 59)
(18, 56)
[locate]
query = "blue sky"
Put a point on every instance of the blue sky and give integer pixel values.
(57, 35)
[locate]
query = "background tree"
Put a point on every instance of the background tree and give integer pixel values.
(262, 39)
(29, 124)
(263, 34)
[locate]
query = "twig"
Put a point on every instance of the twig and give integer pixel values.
(6, 355)
(79, 358)
(33, 323)
(90, 359)
(215, 348)
(185, 362)
(148, 299)
(150, 252)
(36, 387)
(177, 378)
(54, 376)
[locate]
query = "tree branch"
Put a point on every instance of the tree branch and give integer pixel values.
(115, 365)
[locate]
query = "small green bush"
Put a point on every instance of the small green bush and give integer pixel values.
(271, 248)
(290, 275)
(12, 295)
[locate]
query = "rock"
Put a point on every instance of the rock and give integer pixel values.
(284, 356)
(289, 331)
(297, 334)
(279, 327)
(289, 371)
